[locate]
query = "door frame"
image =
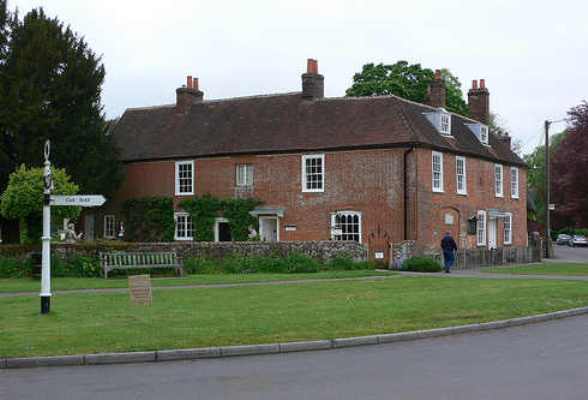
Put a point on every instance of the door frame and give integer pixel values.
(492, 233)
(274, 217)
(217, 221)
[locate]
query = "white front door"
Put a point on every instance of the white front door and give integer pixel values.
(268, 229)
(492, 233)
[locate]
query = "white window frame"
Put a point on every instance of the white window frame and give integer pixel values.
(481, 234)
(182, 214)
(244, 175)
(484, 134)
(309, 157)
(178, 191)
(514, 183)
(463, 190)
(498, 180)
(347, 213)
(508, 238)
(445, 123)
(440, 188)
(106, 226)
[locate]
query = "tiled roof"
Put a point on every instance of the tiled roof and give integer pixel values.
(288, 123)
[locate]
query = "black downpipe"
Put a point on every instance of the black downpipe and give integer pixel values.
(405, 169)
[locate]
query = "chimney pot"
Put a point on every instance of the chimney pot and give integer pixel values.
(479, 102)
(195, 84)
(436, 92)
(189, 81)
(313, 86)
(311, 66)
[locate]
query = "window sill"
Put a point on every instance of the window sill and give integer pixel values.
(462, 194)
(500, 196)
(438, 191)
(515, 198)
(184, 239)
(185, 194)
(313, 191)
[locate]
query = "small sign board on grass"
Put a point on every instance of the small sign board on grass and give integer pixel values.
(140, 289)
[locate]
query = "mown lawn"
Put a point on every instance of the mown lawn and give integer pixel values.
(542, 269)
(98, 322)
(31, 285)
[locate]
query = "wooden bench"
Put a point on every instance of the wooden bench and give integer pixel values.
(122, 260)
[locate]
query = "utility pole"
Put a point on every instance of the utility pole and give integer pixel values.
(547, 190)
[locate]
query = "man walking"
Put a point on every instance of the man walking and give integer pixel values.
(449, 248)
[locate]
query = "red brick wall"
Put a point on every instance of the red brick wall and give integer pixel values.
(432, 207)
(368, 181)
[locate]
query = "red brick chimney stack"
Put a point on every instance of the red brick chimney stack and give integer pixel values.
(479, 101)
(188, 95)
(436, 93)
(313, 83)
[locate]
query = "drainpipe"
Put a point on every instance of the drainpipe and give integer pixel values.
(405, 164)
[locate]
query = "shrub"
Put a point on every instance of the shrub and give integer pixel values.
(293, 263)
(421, 264)
(11, 267)
(75, 266)
(346, 263)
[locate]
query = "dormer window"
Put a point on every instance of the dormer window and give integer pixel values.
(445, 123)
(481, 132)
(441, 120)
(484, 134)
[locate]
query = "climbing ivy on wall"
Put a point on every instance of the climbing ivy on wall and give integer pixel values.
(149, 219)
(206, 208)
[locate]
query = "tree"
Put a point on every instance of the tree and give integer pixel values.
(536, 176)
(570, 163)
(50, 88)
(407, 81)
(23, 197)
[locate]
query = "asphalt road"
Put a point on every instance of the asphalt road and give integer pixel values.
(543, 361)
(566, 253)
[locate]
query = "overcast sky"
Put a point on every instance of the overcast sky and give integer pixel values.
(533, 54)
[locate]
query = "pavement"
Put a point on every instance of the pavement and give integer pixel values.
(541, 361)
(569, 254)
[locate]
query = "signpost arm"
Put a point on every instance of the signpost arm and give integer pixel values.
(46, 238)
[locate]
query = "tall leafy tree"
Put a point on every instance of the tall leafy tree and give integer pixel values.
(536, 176)
(570, 163)
(409, 81)
(50, 88)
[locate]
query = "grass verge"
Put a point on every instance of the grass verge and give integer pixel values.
(31, 285)
(89, 323)
(542, 269)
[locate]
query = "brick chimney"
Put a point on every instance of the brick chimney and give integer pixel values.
(436, 94)
(479, 101)
(188, 94)
(313, 83)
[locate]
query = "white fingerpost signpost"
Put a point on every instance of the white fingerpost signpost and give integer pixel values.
(46, 238)
(88, 200)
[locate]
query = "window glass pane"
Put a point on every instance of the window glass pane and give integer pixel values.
(347, 226)
(314, 173)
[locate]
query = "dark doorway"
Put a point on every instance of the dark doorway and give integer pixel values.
(224, 232)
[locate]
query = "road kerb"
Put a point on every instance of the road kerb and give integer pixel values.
(274, 348)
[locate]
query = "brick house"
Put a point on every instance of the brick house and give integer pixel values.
(378, 170)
